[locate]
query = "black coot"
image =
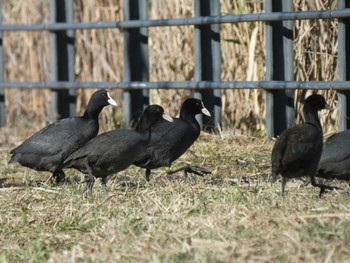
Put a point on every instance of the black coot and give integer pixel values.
(171, 140)
(297, 151)
(116, 150)
(48, 148)
(335, 159)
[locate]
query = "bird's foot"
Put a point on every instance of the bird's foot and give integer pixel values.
(195, 169)
(323, 189)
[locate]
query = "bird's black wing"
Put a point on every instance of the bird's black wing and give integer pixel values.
(109, 152)
(296, 144)
(335, 159)
(93, 149)
(336, 148)
(56, 137)
(169, 140)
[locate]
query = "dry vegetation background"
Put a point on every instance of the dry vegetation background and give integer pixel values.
(232, 215)
(99, 57)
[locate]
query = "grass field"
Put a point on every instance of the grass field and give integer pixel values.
(232, 215)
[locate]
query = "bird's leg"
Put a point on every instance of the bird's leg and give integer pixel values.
(283, 185)
(91, 180)
(50, 181)
(322, 187)
(170, 172)
(284, 180)
(61, 176)
(57, 177)
(274, 177)
(188, 168)
(148, 174)
(306, 181)
(54, 177)
(103, 184)
(89, 186)
(198, 170)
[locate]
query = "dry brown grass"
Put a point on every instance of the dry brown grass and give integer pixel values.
(229, 216)
(232, 215)
(99, 57)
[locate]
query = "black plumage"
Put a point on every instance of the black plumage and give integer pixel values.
(47, 149)
(335, 159)
(171, 140)
(297, 151)
(116, 150)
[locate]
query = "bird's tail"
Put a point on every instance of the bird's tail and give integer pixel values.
(13, 159)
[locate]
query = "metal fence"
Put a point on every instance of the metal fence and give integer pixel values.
(279, 82)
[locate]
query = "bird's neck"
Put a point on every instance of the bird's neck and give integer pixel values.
(191, 120)
(311, 116)
(187, 117)
(92, 111)
(143, 125)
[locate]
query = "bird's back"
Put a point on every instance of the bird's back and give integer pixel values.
(297, 151)
(169, 140)
(109, 152)
(47, 149)
(335, 159)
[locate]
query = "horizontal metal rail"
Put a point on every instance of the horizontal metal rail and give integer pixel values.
(193, 85)
(275, 16)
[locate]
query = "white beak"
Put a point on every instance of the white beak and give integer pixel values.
(111, 101)
(167, 117)
(205, 111)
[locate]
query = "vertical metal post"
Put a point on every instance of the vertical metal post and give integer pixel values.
(136, 61)
(2, 92)
(270, 128)
(62, 60)
(343, 67)
(279, 66)
(207, 55)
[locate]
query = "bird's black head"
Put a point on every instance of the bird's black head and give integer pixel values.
(151, 115)
(98, 100)
(102, 97)
(317, 102)
(192, 106)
